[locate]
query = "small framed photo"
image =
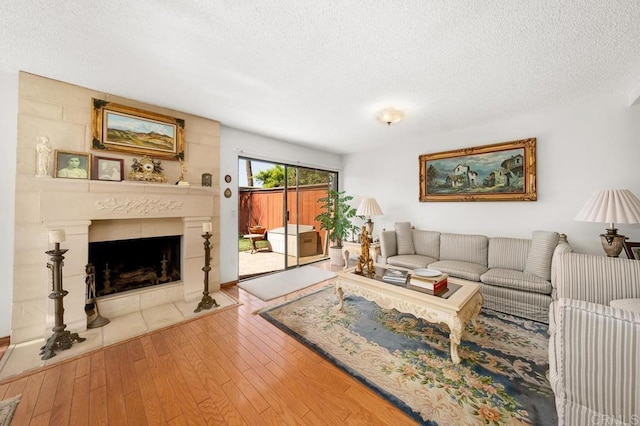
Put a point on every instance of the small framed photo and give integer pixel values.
(72, 165)
(632, 250)
(105, 168)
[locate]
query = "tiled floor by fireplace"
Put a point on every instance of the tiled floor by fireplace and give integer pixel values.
(26, 356)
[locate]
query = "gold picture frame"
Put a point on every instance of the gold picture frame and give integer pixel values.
(498, 172)
(122, 128)
(72, 164)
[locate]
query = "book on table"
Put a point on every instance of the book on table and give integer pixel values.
(434, 284)
(395, 276)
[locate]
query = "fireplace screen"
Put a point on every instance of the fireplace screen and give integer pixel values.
(125, 265)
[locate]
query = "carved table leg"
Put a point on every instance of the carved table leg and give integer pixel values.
(345, 255)
(455, 334)
(475, 309)
(340, 294)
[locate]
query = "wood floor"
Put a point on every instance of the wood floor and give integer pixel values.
(228, 368)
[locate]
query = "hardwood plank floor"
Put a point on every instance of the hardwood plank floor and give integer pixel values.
(231, 367)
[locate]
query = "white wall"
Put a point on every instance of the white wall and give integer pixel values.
(580, 149)
(236, 143)
(8, 136)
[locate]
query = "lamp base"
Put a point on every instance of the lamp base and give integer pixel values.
(612, 242)
(369, 225)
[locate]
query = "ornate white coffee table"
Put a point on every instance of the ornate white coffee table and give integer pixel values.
(455, 311)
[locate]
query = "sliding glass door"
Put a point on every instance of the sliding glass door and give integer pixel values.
(277, 209)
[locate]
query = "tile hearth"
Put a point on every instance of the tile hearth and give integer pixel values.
(25, 356)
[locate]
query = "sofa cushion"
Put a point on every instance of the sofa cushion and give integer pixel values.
(464, 248)
(427, 243)
(516, 280)
(388, 245)
(508, 253)
(404, 238)
(411, 261)
(456, 268)
(632, 305)
(539, 259)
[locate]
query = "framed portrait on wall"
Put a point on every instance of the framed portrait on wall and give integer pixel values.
(105, 168)
(72, 165)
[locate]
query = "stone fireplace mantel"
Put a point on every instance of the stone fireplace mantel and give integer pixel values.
(91, 210)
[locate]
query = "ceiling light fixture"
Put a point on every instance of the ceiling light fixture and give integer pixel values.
(390, 116)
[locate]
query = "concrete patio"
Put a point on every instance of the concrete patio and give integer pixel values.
(263, 261)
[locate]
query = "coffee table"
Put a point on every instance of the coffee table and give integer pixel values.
(455, 311)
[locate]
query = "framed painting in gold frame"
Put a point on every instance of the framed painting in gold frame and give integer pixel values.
(122, 128)
(72, 164)
(498, 172)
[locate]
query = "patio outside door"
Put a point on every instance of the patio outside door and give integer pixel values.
(277, 206)
(304, 187)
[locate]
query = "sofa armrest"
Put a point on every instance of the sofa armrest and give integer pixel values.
(562, 247)
(596, 279)
(594, 359)
(388, 245)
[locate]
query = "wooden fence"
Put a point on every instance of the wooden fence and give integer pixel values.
(265, 207)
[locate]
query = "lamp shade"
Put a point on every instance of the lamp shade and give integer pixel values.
(611, 206)
(369, 207)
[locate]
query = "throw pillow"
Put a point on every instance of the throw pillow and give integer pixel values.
(543, 243)
(404, 237)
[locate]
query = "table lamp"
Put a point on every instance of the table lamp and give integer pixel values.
(611, 206)
(369, 207)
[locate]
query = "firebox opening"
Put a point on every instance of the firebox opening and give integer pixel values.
(125, 265)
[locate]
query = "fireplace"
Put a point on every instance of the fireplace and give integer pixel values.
(108, 213)
(125, 265)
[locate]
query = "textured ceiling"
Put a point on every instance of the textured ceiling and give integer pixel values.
(317, 72)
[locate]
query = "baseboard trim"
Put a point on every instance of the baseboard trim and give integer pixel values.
(229, 284)
(5, 341)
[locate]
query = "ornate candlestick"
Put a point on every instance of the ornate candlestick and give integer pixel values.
(207, 301)
(61, 339)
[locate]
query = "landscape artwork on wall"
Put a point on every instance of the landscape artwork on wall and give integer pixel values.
(121, 128)
(499, 172)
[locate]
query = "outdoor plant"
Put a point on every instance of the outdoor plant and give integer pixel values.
(336, 216)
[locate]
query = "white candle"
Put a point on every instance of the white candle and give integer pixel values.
(206, 227)
(56, 236)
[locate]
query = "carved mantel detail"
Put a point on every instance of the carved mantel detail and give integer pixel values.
(140, 205)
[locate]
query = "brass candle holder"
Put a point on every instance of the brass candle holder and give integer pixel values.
(61, 339)
(207, 301)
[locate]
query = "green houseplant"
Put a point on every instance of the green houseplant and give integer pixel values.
(336, 220)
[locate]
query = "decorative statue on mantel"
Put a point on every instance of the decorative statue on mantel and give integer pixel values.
(183, 169)
(365, 262)
(43, 149)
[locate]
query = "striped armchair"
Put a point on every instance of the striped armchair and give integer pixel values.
(594, 349)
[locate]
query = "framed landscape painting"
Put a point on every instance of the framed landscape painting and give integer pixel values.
(499, 172)
(121, 128)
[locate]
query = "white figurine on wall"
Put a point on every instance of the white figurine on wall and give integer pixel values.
(43, 148)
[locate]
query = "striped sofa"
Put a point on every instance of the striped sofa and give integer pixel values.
(514, 274)
(594, 349)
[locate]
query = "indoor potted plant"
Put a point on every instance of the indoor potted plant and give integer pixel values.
(336, 220)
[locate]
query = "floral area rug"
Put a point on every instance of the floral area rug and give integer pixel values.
(501, 379)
